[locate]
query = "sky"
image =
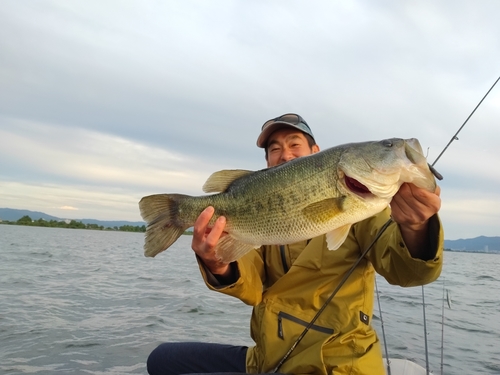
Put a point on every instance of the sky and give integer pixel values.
(104, 102)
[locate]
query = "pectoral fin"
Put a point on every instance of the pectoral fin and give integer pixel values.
(229, 249)
(219, 181)
(325, 210)
(336, 237)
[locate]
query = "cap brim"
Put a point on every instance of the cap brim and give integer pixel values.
(266, 133)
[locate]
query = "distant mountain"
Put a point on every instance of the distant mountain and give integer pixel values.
(10, 214)
(480, 244)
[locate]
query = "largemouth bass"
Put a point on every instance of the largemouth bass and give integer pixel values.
(322, 193)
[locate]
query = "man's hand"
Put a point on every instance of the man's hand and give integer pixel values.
(411, 208)
(205, 239)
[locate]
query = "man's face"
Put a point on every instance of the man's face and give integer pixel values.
(287, 144)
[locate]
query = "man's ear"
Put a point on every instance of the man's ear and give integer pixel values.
(315, 149)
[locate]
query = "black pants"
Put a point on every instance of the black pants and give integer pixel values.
(197, 358)
(175, 358)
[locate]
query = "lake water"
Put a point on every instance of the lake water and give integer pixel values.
(89, 302)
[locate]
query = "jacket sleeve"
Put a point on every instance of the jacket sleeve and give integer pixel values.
(390, 256)
(249, 275)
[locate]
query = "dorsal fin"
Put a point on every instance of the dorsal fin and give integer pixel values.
(219, 181)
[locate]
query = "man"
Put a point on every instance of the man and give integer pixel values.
(287, 285)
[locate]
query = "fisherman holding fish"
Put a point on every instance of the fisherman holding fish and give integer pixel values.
(288, 283)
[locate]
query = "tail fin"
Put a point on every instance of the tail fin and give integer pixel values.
(160, 213)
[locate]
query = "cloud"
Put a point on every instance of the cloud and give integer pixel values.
(68, 208)
(105, 102)
(78, 155)
(105, 203)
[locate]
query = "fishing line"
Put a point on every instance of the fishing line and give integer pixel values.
(381, 231)
(388, 367)
(427, 367)
(431, 167)
(442, 330)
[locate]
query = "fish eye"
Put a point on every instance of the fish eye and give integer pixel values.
(387, 143)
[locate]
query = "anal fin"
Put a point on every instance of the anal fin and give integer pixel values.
(229, 249)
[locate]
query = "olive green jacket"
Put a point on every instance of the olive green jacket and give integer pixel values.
(342, 340)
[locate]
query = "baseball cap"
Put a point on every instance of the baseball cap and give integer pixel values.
(288, 120)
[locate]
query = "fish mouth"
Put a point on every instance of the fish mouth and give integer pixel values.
(357, 187)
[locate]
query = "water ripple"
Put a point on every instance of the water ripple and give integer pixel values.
(89, 302)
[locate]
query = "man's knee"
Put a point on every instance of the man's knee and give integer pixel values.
(157, 360)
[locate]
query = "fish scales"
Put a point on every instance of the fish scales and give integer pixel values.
(271, 194)
(278, 193)
(325, 192)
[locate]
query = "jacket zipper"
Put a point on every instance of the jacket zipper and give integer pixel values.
(282, 315)
(283, 258)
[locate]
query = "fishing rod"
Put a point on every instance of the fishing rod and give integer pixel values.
(455, 138)
(381, 231)
(328, 300)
